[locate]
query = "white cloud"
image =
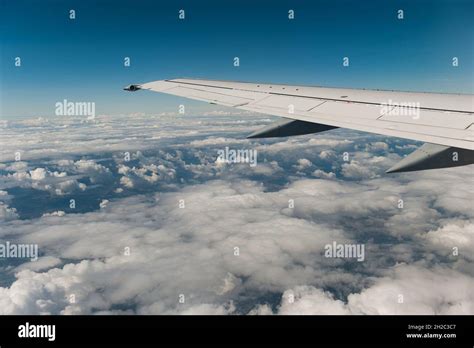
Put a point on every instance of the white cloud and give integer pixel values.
(58, 213)
(38, 174)
(211, 141)
(17, 166)
(306, 300)
(7, 213)
(324, 175)
(356, 170)
(377, 146)
(145, 174)
(41, 264)
(303, 164)
(423, 291)
(456, 234)
(407, 290)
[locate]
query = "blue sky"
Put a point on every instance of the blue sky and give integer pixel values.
(82, 59)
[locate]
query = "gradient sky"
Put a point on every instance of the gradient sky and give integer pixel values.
(82, 59)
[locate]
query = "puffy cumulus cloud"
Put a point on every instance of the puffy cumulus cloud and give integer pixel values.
(145, 175)
(38, 174)
(67, 186)
(356, 170)
(324, 175)
(404, 290)
(127, 182)
(318, 199)
(55, 182)
(327, 154)
(17, 166)
(103, 203)
(41, 174)
(265, 168)
(377, 146)
(261, 309)
(303, 164)
(84, 168)
(94, 171)
(7, 213)
(453, 238)
(4, 195)
(421, 291)
(427, 199)
(310, 300)
(58, 213)
(363, 164)
(63, 181)
(32, 295)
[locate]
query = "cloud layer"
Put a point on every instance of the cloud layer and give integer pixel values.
(159, 226)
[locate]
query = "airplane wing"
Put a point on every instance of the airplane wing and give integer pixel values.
(444, 121)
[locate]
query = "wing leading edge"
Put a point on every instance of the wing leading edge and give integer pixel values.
(446, 120)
